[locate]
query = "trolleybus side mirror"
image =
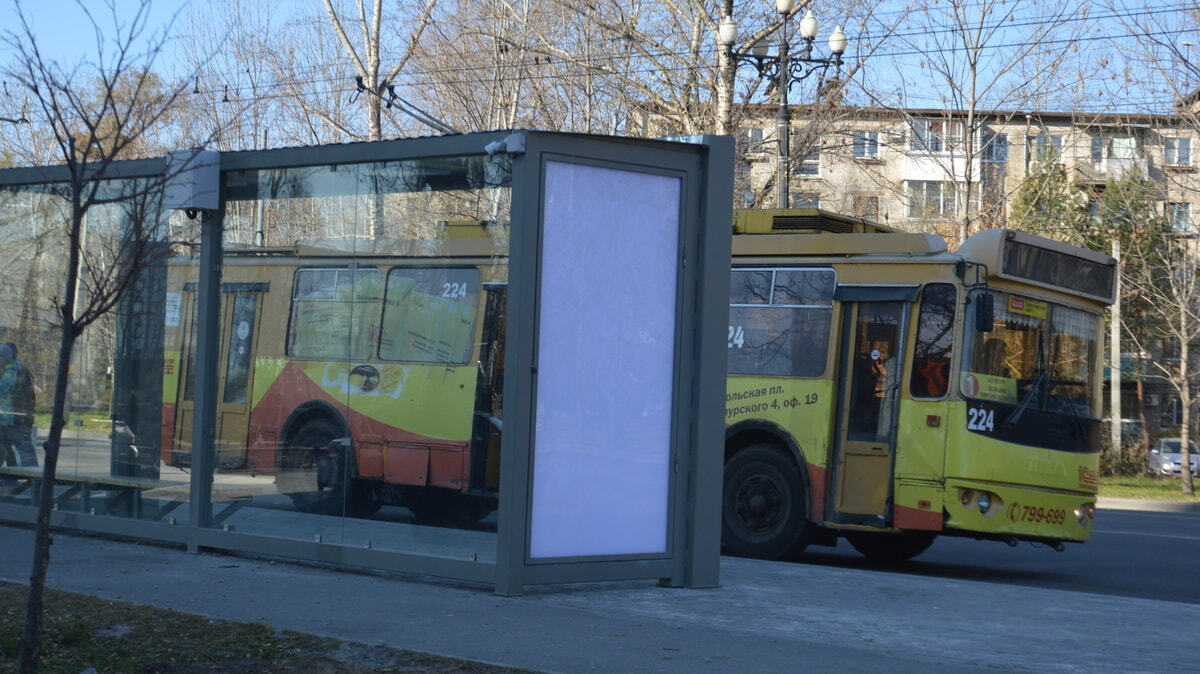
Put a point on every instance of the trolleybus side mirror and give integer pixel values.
(985, 312)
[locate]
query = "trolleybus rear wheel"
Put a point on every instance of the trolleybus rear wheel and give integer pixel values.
(890, 548)
(764, 507)
(313, 447)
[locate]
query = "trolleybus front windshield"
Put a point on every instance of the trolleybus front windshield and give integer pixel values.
(1031, 378)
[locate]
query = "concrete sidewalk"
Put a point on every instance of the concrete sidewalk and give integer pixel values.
(765, 617)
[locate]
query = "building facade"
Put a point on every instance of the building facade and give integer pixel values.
(921, 170)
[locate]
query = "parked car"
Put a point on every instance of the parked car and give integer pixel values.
(1165, 457)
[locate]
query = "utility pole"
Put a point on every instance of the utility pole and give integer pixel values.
(1114, 357)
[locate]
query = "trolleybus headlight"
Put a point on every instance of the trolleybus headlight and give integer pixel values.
(1085, 513)
(985, 502)
(966, 497)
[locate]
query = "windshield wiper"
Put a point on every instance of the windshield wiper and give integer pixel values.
(1076, 420)
(1034, 387)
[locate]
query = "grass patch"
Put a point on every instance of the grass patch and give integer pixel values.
(81, 631)
(92, 423)
(1146, 487)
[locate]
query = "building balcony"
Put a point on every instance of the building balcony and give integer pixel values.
(1097, 173)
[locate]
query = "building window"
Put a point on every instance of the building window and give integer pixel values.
(1177, 151)
(1122, 147)
(1046, 147)
(751, 140)
(810, 146)
(866, 145)
(993, 147)
(1098, 152)
(930, 198)
(1172, 414)
(932, 135)
(807, 200)
(1180, 215)
(866, 208)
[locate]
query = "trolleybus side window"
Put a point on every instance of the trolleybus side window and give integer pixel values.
(324, 301)
(935, 342)
(779, 321)
(429, 314)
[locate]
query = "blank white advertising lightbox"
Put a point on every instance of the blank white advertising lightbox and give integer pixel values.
(605, 362)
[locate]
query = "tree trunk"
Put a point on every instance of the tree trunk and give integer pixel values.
(34, 607)
(1185, 401)
(725, 80)
(1143, 457)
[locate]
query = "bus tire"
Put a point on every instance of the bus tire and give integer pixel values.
(764, 504)
(313, 447)
(891, 548)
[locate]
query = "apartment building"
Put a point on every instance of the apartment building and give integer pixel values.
(914, 169)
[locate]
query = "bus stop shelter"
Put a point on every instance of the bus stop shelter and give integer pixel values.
(594, 391)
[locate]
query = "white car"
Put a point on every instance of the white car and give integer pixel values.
(1165, 457)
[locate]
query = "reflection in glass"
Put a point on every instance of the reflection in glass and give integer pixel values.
(360, 365)
(108, 460)
(363, 337)
(779, 321)
(327, 301)
(1044, 352)
(935, 342)
(875, 371)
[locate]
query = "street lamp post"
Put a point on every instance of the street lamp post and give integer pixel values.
(786, 69)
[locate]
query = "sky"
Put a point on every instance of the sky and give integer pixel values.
(62, 27)
(64, 33)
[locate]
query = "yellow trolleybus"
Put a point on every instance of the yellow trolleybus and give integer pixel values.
(880, 388)
(356, 379)
(886, 390)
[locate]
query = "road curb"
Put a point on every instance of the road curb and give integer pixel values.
(1109, 503)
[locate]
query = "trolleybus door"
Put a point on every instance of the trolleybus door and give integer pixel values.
(868, 396)
(185, 407)
(489, 387)
(239, 323)
(240, 308)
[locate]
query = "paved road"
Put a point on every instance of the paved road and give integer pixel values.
(1131, 554)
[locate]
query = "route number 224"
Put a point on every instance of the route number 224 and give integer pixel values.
(737, 336)
(980, 419)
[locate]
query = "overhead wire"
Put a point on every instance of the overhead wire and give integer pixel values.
(467, 75)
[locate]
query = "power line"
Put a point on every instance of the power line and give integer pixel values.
(468, 75)
(614, 57)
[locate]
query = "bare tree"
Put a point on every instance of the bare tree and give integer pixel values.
(1168, 279)
(973, 58)
(350, 53)
(95, 113)
(232, 89)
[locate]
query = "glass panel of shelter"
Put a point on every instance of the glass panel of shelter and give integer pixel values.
(343, 405)
(108, 454)
(374, 386)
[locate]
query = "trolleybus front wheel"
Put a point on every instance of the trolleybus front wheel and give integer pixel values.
(890, 548)
(764, 507)
(314, 447)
